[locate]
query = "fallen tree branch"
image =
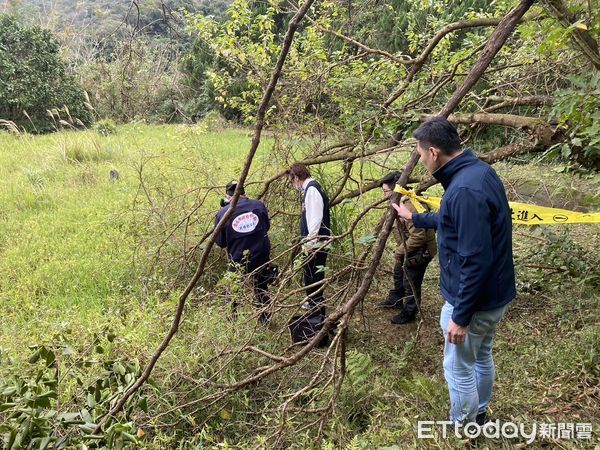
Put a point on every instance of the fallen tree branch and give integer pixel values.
(491, 157)
(509, 102)
(362, 189)
(432, 92)
(544, 133)
(494, 156)
(346, 310)
(420, 60)
(507, 120)
(495, 43)
(260, 121)
(405, 59)
(346, 156)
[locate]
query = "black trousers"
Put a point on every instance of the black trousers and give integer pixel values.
(315, 260)
(402, 287)
(260, 281)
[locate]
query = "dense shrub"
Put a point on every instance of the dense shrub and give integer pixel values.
(35, 80)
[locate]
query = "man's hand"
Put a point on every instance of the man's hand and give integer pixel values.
(403, 211)
(456, 333)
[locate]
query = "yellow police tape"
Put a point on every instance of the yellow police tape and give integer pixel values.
(522, 213)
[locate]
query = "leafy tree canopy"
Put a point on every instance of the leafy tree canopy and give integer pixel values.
(36, 92)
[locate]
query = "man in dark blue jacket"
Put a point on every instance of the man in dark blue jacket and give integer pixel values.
(248, 246)
(477, 277)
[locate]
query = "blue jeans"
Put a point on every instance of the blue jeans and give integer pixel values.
(469, 367)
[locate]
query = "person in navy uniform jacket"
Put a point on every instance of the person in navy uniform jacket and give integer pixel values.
(315, 229)
(247, 242)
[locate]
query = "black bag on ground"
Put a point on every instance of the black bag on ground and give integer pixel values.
(304, 328)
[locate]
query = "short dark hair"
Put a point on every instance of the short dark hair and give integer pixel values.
(390, 179)
(230, 188)
(298, 170)
(438, 132)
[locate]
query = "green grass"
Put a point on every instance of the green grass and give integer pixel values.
(78, 256)
(68, 239)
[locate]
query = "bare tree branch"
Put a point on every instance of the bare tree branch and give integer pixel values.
(509, 102)
(507, 120)
(403, 59)
(342, 315)
(499, 154)
(495, 43)
(260, 121)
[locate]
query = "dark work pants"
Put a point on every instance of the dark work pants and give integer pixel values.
(259, 282)
(402, 288)
(313, 275)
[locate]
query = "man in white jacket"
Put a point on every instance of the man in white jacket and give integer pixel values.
(315, 229)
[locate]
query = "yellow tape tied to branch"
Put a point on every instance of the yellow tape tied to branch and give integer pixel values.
(522, 213)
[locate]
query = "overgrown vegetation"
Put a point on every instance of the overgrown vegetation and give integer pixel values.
(36, 91)
(103, 228)
(90, 284)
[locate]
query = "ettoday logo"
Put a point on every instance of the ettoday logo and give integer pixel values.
(426, 429)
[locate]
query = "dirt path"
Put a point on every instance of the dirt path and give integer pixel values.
(376, 322)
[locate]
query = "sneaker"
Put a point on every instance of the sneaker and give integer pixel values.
(390, 303)
(306, 305)
(402, 318)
